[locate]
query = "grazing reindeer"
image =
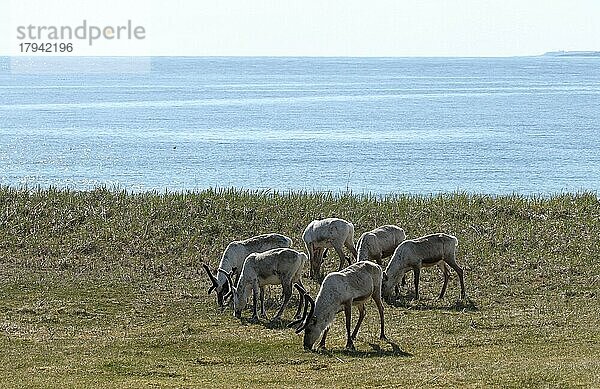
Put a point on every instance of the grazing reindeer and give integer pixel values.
(353, 285)
(273, 267)
(328, 233)
(234, 256)
(379, 243)
(425, 251)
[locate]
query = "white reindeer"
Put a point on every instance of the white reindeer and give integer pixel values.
(328, 233)
(282, 266)
(379, 243)
(339, 291)
(412, 254)
(234, 256)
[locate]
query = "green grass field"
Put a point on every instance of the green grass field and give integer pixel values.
(105, 288)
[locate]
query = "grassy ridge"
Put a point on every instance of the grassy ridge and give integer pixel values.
(105, 288)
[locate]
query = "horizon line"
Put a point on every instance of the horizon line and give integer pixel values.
(548, 53)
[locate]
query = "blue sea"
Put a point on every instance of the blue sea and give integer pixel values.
(526, 125)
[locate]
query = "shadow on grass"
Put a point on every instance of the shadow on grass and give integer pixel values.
(267, 323)
(375, 352)
(408, 302)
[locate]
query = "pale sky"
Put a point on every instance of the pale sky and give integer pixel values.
(318, 27)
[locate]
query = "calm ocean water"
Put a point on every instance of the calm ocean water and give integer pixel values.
(497, 126)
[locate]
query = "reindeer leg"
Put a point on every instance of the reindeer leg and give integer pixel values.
(417, 272)
(320, 257)
(263, 312)
(348, 314)
(254, 301)
(377, 299)
(315, 263)
(350, 245)
(446, 272)
(287, 294)
(460, 272)
(340, 253)
(361, 316)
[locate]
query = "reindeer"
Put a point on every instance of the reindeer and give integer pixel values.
(436, 249)
(328, 233)
(353, 285)
(234, 256)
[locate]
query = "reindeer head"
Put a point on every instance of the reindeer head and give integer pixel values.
(237, 296)
(387, 287)
(219, 284)
(308, 323)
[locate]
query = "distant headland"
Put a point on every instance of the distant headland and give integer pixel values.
(563, 53)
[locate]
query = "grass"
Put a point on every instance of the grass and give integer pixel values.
(104, 288)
